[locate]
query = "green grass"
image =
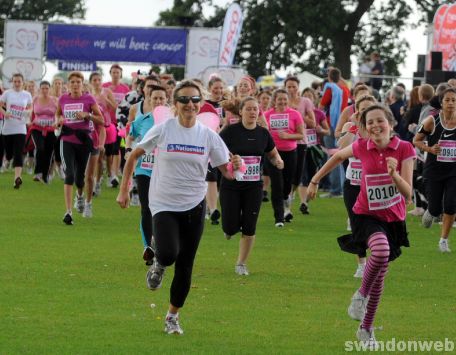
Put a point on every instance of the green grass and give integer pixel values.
(81, 289)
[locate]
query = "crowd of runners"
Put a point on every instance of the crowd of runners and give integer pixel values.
(379, 151)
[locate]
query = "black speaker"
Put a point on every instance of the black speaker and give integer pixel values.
(417, 74)
(435, 77)
(436, 60)
(450, 75)
(421, 63)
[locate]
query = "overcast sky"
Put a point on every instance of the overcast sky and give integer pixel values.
(145, 13)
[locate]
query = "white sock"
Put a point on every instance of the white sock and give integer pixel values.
(442, 239)
(172, 315)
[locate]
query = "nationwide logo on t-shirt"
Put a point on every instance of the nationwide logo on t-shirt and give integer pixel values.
(184, 148)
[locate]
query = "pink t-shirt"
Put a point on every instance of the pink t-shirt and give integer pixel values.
(43, 118)
(287, 121)
(103, 106)
(119, 91)
(69, 107)
(379, 196)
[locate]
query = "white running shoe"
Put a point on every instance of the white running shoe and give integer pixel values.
(417, 211)
(444, 246)
(108, 182)
(279, 224)
(87, 213)
(97, 189)
(360, 271)
(79, 203)
(367, 338)
(172, 326)
(154, 276)
(357, 308)
(427, 219)
(241, 269)
(134, 200)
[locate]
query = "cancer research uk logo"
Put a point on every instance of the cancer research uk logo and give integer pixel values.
(402, 346)
(184, 148)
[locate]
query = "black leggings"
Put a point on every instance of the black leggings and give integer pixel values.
(44, 150)
(240, 209)
(300, 161)
(351, 193)
(281, 182)
(143, 182)
(441, 193)
(74, 161)
(14, 146)
(177, 236)
(2, 150)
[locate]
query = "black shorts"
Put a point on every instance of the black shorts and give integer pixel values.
(212, 173)
(364, 226)
(240, 209)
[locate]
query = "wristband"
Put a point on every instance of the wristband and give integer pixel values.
(314, 183)
(128, 150)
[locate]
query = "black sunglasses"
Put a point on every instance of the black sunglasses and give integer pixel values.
(187, 99)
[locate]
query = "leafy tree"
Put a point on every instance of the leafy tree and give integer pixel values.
(313, 34)
(40, 10)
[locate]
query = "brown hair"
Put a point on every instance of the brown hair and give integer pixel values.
(364, 98)
(185, 84)
(426, 91)
(247, 99)
(414, 98)
(233, 106)
(213, 80)
(76, 74)
(95, 73)
(17, 75)
(388, 114)
(277, 92)
(292, 78)
(446, 91)
(359, 88)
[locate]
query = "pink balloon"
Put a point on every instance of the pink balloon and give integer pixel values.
(162, 114)
(209, 119)
(122, 132)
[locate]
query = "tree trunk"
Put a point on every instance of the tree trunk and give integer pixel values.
(342, 50)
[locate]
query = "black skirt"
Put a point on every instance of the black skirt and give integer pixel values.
(364, 226)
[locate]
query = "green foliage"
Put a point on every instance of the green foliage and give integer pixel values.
(81, 289)
(313, 34)
(40, 10)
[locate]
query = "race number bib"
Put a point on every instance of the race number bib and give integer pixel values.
(311, 136)
(381, 192)
(447, 151)
(234, 120)
(279, 121)
(219, 111)
(147, 161)
(353, 172)
(45, 121)
(253, 172)
(70, 111)
(118, 97)
(16, 111)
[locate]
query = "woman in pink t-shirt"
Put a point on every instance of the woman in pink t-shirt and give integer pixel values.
(379, 211)
(76, 114)
(42, 130)
(286, 127)
(106, 102)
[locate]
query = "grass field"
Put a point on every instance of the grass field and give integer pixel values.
(81, 289)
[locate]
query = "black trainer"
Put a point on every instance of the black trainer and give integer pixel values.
(148, 256)
(265, 196)
(68, 219)
(17, 182)
(215, 216)
(304, 208)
